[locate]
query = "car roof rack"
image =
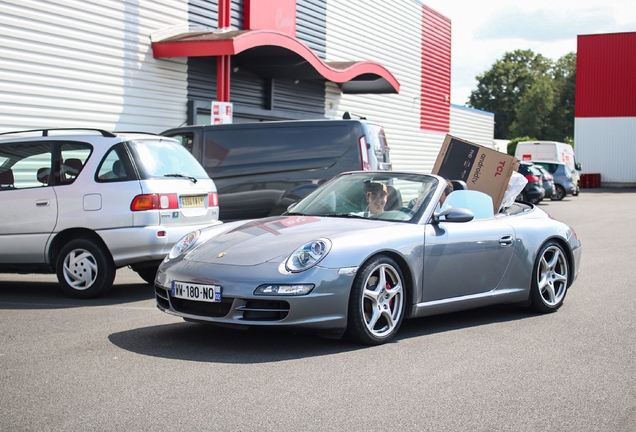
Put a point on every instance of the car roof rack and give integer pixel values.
(348, 116)
(45, 132)
(134, 132)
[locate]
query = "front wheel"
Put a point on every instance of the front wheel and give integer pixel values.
(85, 269)
(549, 279)
(377, 302)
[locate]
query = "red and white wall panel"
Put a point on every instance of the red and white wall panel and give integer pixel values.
(605, 107)
(413, 42)
(75, 63)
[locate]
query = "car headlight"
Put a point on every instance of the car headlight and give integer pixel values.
(308, 255)
(184, 244)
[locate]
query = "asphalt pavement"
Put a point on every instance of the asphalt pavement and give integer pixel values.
(118, 363)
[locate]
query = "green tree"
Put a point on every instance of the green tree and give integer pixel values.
(529, 95)
(499, 89)
(564, 80)
(533, 112)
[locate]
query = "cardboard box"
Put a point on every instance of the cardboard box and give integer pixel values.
(481, 168)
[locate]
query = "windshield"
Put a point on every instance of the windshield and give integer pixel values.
(165, 158)
(371, 195)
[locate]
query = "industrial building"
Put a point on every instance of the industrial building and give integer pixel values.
(149, 65)
(605, 107)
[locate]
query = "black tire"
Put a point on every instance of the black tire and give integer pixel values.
(85, 269)
(549, 278)
(559, 193)
(522, 197)
(148, 274)
(377, 302)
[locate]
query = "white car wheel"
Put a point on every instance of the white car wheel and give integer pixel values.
(85, 269)
(549, 278)
(377, 302)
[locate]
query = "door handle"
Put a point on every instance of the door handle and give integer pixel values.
(42, 203)
(505, 240)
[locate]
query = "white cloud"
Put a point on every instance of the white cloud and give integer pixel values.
(545, 25)
(483, 31)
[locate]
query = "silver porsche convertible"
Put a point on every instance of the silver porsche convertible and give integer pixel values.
(365, 251)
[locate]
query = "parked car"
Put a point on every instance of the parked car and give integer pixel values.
(533, 192)
(330, 265)
(262, 168)
(548, 181)
(551, 151)
(82, 203)
(565, 182)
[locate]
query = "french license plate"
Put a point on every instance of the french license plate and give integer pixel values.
(198, 292)
(192, 201)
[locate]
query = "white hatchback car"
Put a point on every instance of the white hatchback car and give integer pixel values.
(83, 202)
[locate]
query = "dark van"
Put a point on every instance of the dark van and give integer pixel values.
(261, 168)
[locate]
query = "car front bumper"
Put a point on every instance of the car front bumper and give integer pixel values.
(323, 309)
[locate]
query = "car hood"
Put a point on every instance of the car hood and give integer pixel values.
(258, 241)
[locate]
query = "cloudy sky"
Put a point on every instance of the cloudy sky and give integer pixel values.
(482, 31)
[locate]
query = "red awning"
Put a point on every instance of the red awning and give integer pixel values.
(276, 55)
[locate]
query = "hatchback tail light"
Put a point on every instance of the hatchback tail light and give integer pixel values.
(155, 202)
(364, 153)
(213, 199)
(532, 178)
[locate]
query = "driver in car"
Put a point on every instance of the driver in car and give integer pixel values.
(376, 195)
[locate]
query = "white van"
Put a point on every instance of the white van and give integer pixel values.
(550, 151)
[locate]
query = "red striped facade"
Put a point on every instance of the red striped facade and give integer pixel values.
(436, 70)
(606, 75)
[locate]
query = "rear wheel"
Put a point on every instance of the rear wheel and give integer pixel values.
(549, 278)
(377, 302)
(559, 193)
(85, 269)
(148, 274)
(522, 197)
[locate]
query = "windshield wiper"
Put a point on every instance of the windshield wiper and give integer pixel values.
(192, 179)
(342, 215)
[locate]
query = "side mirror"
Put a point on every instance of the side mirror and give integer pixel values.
(453, 215)
(577, 166)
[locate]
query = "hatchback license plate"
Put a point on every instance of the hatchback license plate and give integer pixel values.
(192, 201)
(198, 292)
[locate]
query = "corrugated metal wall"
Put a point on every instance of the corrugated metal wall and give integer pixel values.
(607, 146)
(605, 122)
(436, 68)
(472, 125)
(606, 75)
(75, 63)
(354, 32)
(250, 93)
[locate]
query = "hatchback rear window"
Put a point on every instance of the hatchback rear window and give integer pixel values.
(161, 158)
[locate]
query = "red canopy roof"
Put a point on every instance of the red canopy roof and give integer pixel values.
(277, 55)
